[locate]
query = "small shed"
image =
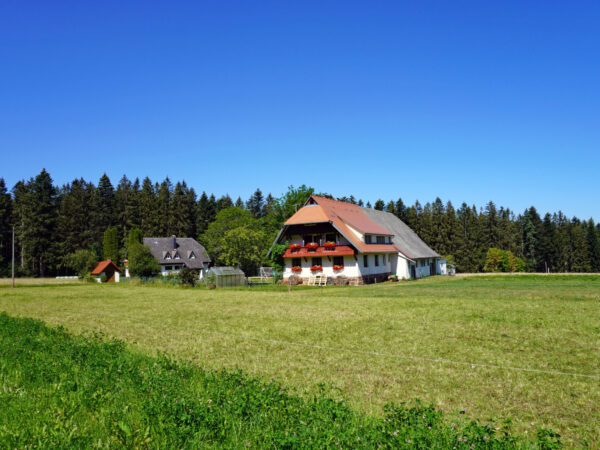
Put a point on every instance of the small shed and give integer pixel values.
(225, 276)
(109, 269)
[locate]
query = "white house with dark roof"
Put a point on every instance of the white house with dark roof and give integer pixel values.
(337, 238)
(174, 253)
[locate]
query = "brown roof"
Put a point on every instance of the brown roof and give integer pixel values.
(103, 265)
(308, 214)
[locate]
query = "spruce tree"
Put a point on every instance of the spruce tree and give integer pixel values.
(40, 224)
(148, 209)
(400, 209)
(255, 204)
(5, 229)
(74, 217)
(224, 202)
(163, 207)
(593, 245)
(379, 205)
(104, 208)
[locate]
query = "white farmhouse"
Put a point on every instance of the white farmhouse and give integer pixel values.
(336, 238)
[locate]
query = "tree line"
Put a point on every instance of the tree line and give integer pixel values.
(52, 223)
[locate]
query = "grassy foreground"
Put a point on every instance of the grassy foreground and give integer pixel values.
(60, 390)
(530, 343)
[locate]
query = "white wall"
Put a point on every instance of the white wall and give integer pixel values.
(352, 267)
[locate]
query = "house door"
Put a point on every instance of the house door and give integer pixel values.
(413, 272)
(432, 269)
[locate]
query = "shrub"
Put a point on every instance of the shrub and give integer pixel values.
(82, 262)
(187, 276)
(142, 262)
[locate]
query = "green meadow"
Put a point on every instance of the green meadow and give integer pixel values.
(521, 349)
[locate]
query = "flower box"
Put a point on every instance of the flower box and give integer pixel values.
(337, 267)
(296, 269)
(312, 246)
(329, 245)
(316, 269)
(294, 247)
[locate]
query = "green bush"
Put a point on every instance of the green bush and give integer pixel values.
(69, 391)
(142, 262)
(82, 262)
(187, 276)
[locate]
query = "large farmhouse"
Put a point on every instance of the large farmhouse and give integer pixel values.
(174, 253)
(336, 238)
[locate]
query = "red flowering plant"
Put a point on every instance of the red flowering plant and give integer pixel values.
(337, 267)
(329, 244)
(296, 269)
(312, 245)
(316, 269)
(294, 247)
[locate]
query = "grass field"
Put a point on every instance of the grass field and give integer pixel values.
(520, 347)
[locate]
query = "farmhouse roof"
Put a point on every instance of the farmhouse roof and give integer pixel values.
(409, 243)
(188, 251)
(103, 265)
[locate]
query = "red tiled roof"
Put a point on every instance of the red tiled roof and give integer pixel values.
(340, 250)
(102, 266)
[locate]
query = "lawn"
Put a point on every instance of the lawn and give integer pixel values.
(519, 347)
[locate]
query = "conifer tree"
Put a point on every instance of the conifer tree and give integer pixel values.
(5, 229)
(148, 209)
(390, 207)
(379, 205)
(39, 223)
(74, 217)
(255, 204)
(593, 245)
(163, 207)
(239, 203)
(224, 202)
(104, 207)
(400, 210)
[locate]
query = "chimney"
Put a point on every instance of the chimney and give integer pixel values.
(174, 242)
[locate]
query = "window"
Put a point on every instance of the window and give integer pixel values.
(192, 256)
(381, 239)
(384, 260)
(317, 261)
(167, 268)
(366, 260)
(167, 256)
(367, 238)
(330, 237)
(296, 262)
(338, 260)
(177, 256)
(311, 238)
(376, 260)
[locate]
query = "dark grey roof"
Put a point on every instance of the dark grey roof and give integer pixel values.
(182, 252)
(404, 238)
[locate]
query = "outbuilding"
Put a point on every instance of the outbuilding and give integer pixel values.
(109, 269)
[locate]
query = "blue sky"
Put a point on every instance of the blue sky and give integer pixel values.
(469, 101)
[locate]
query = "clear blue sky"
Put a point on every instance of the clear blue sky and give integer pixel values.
(469, 101)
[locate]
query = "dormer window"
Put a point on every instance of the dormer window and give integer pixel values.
(177, 256)
(367, 238)
(167, 256)
(192, 256)
(381, 239)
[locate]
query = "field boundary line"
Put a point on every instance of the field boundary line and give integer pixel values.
(360, 352)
